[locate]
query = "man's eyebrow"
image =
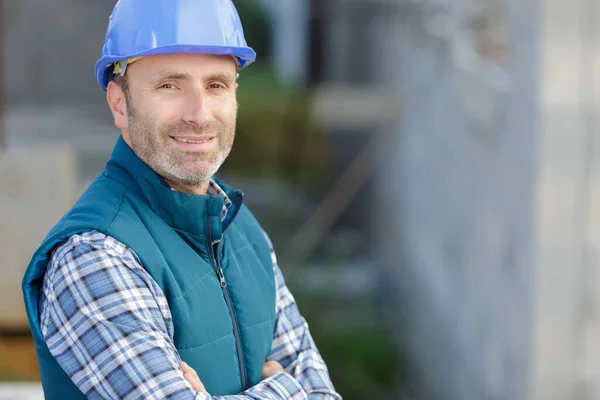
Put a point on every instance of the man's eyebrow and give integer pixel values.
(161, 75)
(223, 77)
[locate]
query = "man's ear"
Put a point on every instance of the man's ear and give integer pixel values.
(117, 102)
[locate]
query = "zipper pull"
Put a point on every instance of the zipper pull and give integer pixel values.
(222, 277)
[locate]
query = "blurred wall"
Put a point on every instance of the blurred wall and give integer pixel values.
(491, 222)
(50, 49)
(566, 336)
(461, 185)
(51, 94)
(57, 126)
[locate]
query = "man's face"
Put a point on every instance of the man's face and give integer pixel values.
(181, 115)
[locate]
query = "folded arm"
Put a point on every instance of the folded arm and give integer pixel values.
(108, 325)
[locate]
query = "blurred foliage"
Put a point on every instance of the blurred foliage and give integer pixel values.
(276, 137)
(358, 360)
(363, 362)
(350, 330)
(257, 27)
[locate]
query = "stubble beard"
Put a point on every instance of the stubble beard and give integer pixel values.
(152, 145)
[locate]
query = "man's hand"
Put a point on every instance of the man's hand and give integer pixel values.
(271, 368)
(192, 377)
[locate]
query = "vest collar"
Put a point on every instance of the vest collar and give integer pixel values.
(192, 213)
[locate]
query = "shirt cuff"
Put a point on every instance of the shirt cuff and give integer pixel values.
(283, 386)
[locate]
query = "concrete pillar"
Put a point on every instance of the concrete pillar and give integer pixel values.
(566, 313)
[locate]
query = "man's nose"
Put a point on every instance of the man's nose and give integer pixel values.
(196, 108)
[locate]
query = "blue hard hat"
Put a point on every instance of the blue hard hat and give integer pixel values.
(139, 28)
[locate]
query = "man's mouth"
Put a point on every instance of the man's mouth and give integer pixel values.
(192, 141)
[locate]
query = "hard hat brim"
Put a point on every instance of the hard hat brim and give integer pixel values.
(245, 56)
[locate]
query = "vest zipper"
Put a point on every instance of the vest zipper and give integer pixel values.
(236, 332)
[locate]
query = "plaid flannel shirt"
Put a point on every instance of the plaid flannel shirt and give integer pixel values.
(108, 324)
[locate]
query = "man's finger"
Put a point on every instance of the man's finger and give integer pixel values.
(192, 377)
(188, 377)
(185, 367)
(196, 384)
(271, 368)
(192, 371)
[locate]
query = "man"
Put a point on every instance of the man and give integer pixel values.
(159, 283)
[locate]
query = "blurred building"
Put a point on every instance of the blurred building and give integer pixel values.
(485, 212)
(51, 97)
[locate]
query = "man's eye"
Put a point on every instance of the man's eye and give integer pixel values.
(167, 86)
(216, 86)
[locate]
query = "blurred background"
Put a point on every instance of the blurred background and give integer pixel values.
(428, 170)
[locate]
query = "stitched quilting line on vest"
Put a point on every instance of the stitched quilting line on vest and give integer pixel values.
(205, 344)
(250, 245)
(257, 324)
(229, 256)
(238, 251)
(193, 286)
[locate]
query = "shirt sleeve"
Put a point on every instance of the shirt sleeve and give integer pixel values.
(108, 325)
(293, 346)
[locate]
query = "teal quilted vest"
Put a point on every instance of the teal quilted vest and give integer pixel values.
(216, 274)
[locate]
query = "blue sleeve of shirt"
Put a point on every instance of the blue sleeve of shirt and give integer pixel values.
(108, 325)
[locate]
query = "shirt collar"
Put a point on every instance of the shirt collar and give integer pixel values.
(215, 190)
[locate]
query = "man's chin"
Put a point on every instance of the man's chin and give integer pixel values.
(197, 176)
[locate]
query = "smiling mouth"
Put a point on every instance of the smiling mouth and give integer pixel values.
(183, 140)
